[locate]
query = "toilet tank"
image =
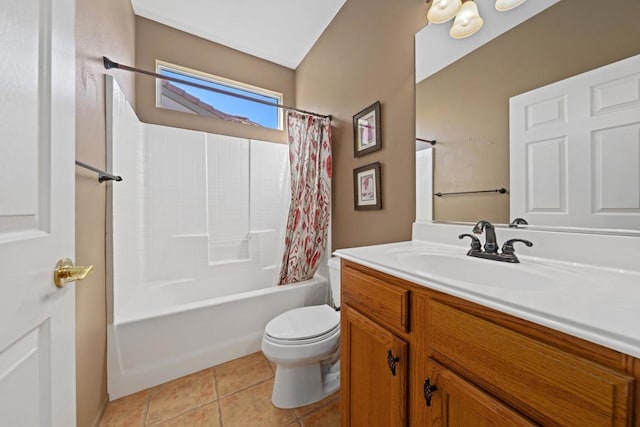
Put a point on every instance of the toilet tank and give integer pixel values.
(334, 279)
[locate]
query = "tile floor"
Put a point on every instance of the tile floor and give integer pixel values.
(236, 393)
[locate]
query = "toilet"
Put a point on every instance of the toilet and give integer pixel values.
(304, 343)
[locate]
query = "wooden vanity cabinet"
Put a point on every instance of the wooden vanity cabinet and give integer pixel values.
(483, 367)
(374, 322)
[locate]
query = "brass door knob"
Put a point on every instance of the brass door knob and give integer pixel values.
(66, 272)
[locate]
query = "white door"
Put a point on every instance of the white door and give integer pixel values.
(575, 150)
(37, 140)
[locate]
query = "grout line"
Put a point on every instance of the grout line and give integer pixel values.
(146, 407)
(245, 389)
(329, 402)
(195, 408)
(191, 409)
(215, 383)
(249, 386)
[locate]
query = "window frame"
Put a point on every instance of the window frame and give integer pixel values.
(212, 78)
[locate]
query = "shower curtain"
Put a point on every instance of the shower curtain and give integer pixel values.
(308, 222)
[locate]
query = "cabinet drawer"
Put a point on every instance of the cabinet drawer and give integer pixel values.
(552, 386)
(379, 300)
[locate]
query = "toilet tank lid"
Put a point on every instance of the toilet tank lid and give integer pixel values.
(303, 323)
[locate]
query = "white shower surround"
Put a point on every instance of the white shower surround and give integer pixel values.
(195, 236)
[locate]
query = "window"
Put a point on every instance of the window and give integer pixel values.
(189, 99)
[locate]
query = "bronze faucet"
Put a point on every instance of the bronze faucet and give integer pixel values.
(491, 245)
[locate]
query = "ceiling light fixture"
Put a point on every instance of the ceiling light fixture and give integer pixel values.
(442, 11)
(468, 20)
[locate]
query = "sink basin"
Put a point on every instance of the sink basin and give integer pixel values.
(460, 268)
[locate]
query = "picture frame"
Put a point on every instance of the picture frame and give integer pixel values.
(367, 188)
(367, 133)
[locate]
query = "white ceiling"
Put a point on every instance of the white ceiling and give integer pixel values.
(281, 31)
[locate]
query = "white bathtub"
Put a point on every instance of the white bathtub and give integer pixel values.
(157, 341)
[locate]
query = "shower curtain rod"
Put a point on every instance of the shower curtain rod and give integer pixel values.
(108, 64)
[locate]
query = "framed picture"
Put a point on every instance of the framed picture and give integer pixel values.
(367, 136)
(367, 190)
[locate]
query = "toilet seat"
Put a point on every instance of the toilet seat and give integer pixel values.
(303, 325)
(329, 336)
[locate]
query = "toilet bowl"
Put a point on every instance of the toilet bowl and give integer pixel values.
(304, 343)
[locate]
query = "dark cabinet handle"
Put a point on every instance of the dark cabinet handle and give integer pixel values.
(392, 361)
(428, 390)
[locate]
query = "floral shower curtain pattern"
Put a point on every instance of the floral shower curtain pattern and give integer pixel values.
(308, 221)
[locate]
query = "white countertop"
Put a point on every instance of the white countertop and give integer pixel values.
(598, 304)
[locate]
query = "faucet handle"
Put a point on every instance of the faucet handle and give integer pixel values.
(507, 248)
(475, 242)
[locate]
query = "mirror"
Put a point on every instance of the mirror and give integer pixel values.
(465, 106)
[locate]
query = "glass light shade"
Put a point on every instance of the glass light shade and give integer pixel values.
(504, 5)
(443, 10)
(468, 21)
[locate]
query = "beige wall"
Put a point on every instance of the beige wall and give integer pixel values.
(366, 54)
(155, 41)
(102, 28)
(466, 108)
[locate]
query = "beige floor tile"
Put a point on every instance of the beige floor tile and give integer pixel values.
(304, 410)
(206, 416)
(328, 416)
(241, 373)
(179, 396)
(125, 412)
(253, 407)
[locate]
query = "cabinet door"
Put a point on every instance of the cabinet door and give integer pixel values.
(550, 385)
(456, 402)
(373, 374)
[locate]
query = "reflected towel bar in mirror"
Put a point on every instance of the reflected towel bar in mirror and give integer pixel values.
(428, 141)
(495, 190)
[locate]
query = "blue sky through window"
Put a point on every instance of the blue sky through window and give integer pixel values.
(265, 115)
